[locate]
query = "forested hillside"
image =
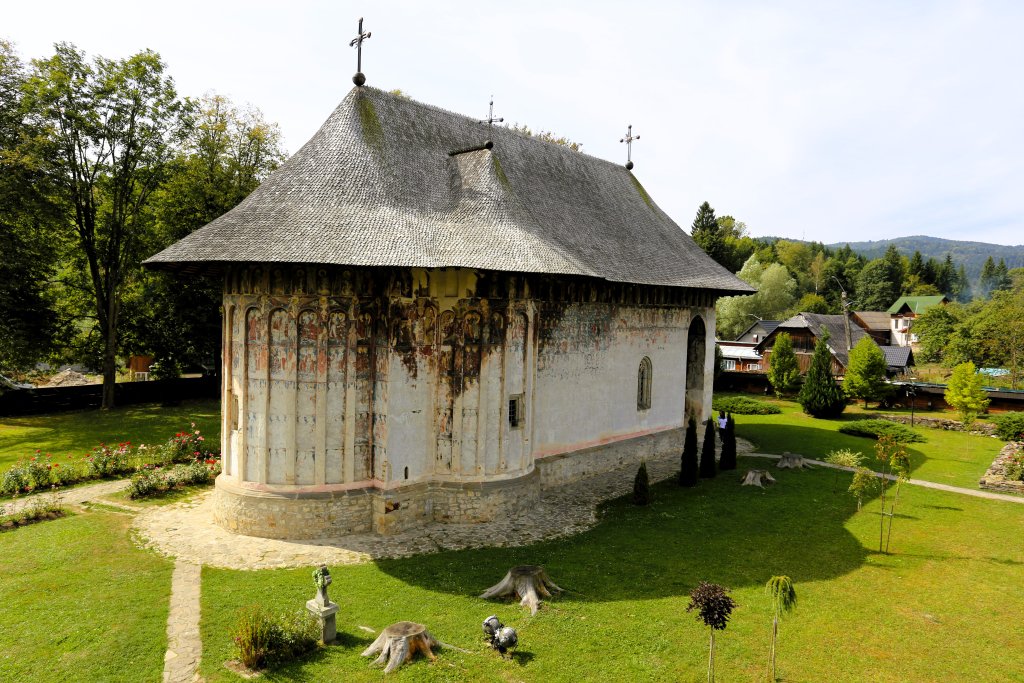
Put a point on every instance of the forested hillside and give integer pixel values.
(971, 254)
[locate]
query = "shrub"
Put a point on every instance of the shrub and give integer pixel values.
(742, 405)
(146, 482)
(1009, 426)
(152, 479)
(1014, 467)
(262, 638)
(728, 460)
(878, 428)
(105, 461)
(688, 466)
(641, 486)
(707, 453)
(187, 446)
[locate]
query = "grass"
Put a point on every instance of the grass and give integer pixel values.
(81, 603)
(946, 457)
(78, 432)
(945, 597)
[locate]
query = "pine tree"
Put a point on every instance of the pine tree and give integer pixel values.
(783, 369)
(988, 276)
(642, 486)
(708, 468)
(820, 395)
(688, 467)
(728, 459)
(707, 233)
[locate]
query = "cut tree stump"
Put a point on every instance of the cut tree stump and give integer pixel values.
(398, 643)
(528, 582)
(758, 478)
(792, 461)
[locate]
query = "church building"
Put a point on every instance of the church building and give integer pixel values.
(427, 317)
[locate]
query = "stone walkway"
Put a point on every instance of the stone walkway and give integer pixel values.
(72, 496)
(186, 530)
(977, 493)
(184, 648)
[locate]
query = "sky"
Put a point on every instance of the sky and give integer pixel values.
(828, 121)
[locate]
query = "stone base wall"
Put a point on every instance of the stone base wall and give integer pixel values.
(983, 428)
(556, 470)
(325, 514)
(995, 478)
(312, 515)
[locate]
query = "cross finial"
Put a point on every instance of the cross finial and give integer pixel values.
(629, 146)
(357, 43)
(490, 120)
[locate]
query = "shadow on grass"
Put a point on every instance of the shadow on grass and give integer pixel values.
(718, 531)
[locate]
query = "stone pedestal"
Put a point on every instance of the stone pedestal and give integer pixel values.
(325, 612)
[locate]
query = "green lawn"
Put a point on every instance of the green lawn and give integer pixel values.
(953, 458)
(78, 432)
(942, 604)
(81, 603)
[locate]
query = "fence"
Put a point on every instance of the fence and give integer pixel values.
(57, 399)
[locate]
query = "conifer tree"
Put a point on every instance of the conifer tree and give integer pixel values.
(707, 233)
(708, 468)
(728, 459)
(820, 395)
(783, 369)
(688, 467)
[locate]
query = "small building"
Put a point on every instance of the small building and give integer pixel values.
(876, 323)
(806, 329)
(758, 331)
(904, 311)
(898, 360)
(427, 318)
(739, 356)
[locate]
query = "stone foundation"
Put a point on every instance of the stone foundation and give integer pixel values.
(332, 512)
(995, 478)
(983, 428)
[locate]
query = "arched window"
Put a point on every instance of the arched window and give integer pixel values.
(643, 385)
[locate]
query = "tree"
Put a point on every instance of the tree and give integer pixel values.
(865, 374)
(112, 127)
(728, 458)
(966, 393)
(714, 607)
(820, 395)
(987, 281)
(226, 156)
(812, 303)
(689, 468)
(783, 368)
(774, 297)
(783, 596)
(641, 486)
(29, 325)
(707, 233)
(894, 461)
(708, 470)
(934, 329)
(877, 287)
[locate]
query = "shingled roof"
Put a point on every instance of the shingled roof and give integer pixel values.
(818, 323)
(383, 183)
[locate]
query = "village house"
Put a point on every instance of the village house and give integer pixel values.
(904, 311)
(430, 318)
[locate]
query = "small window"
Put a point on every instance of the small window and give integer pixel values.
(643, 385)
(515, 411)
(728, 364)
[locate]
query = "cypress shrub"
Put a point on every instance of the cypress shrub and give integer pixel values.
(728, 460)
(642, 486)
(688, 467)
(707, 453)
(821, 395)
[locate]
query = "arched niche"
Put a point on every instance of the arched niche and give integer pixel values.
(696, 352)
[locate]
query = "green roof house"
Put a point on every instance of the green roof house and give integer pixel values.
(903, 312)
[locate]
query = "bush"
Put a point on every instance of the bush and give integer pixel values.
(1014, 467)
(105, 461)
(146, 482)
(263, 639)
(741, 405)
(152, 479)
(708, 468)
(728, 459)
(878, 428)
(688, 465)
(1009, 426)
(187, 446)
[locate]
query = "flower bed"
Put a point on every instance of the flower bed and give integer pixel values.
(154, 480)
(45, 471)
(42, 509)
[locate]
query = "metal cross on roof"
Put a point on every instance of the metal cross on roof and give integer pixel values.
(490, 120)
(357, 43)
(629, 146)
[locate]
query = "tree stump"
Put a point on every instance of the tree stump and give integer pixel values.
(527, 582)
(757, 478)
(792, 461)
(398, 643)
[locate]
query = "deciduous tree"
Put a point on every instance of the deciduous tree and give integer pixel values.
(865, 374)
